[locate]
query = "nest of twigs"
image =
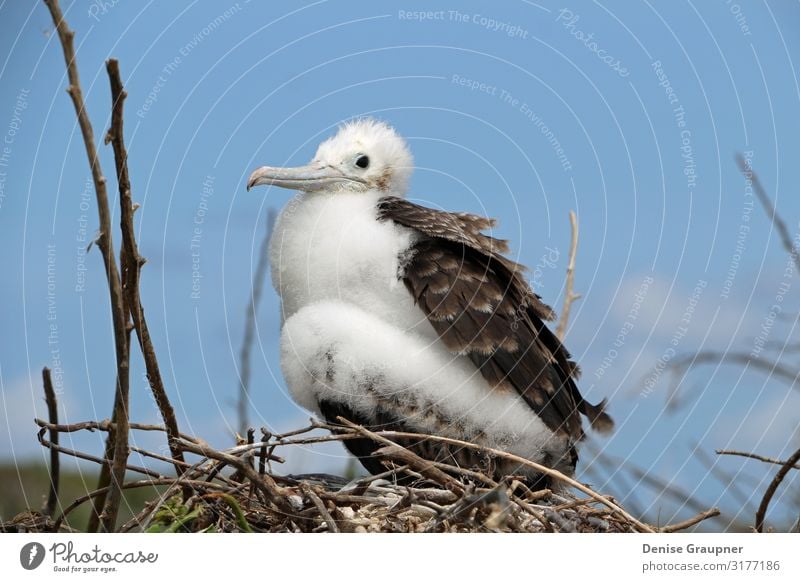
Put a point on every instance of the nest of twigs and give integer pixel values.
(239, 490)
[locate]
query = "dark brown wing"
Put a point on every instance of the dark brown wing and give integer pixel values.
(482, 307)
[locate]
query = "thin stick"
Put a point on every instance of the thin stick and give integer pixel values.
(131, 485)
(683, 363)
(779, 476)
(87, 457)
(681, 496)
(423, 467)
(730, 482)
(52, 414)
(769, 208)
(264, 482)
(320, 505)
(107, 426)
(569, 295)
(132, 262)
(757, 457)
(106, 246)
(709, 513)
(250, 321)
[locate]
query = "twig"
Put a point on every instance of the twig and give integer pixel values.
(87, 457)
(106, 426)
(264, 482)
(318, 503)
(241, 520)
(262, 454)
(250, 321)
(569, 295)
(52, 414)
(130, 485)
(667, 489)
(779, 476)
(772, 368)
(728, 481)
(708, 513)
(106, 246)
(769, 208)
(132, 261)
(423, 467)
(757, 457)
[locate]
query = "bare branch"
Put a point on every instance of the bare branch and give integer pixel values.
(106, 246)
(52, 414)
(130, 485)
(569, 295)
(667, 489)
(264, 482)
(320, 505)
(713, 512)
(779, 476)
(132, 263)
(769, 208)
(250, 321)
(757, 457)
(728, 481)
(770, 367)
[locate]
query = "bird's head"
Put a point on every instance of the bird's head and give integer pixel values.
(364, 155)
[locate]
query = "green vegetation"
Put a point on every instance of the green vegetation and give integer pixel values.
(25, 487)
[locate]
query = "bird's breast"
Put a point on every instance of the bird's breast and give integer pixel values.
(331, 246)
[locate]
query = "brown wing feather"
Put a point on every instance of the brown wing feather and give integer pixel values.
(482, 307)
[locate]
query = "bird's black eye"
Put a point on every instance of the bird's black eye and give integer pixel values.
(362, 162)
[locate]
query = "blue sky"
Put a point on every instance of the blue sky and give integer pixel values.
(630, 114)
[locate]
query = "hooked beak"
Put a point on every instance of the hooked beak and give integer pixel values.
(308, 178)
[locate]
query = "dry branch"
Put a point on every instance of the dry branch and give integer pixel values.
(87, 457)
(320, 505)
(769, 208)
(132, 262)
(263, 482)
(105, 243)
(680, 365)
(779, 476)
(757, 457)
(55, 464)
(692, 521)
(250, 321)
(569, 295)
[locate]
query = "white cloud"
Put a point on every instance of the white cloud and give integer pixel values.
(21, 401)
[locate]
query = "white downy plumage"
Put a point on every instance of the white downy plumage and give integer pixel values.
(351, 332)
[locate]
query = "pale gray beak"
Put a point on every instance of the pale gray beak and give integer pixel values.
(309, 178)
